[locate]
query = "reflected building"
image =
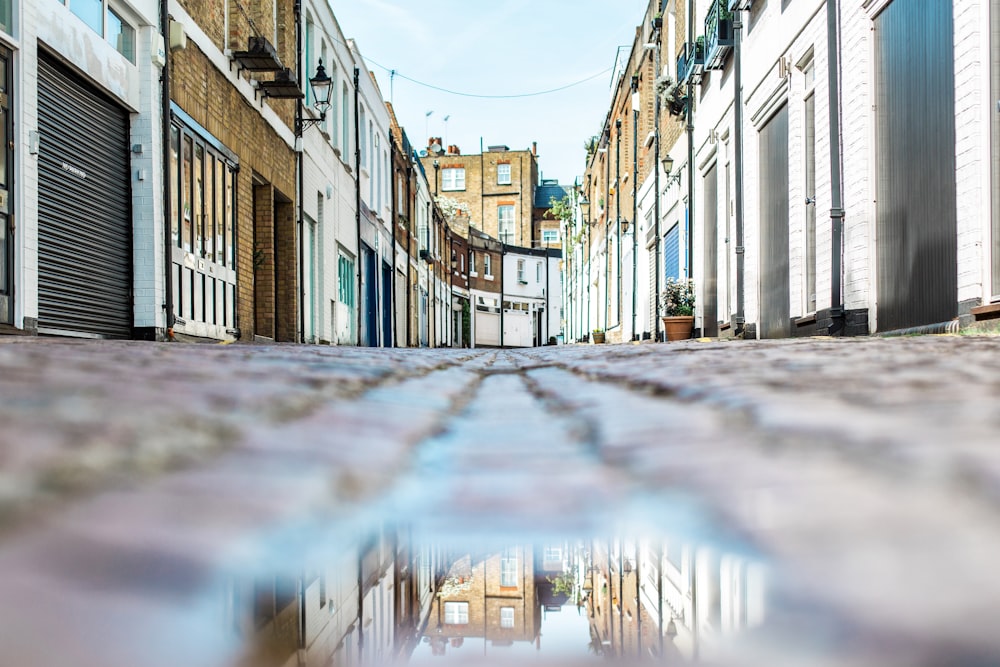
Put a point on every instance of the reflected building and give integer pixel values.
(390, 599)
(669, 599)
(486, 598)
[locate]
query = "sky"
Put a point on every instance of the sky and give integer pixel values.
(489, 48)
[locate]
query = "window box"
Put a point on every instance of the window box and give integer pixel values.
(718, 35)
(690, 60)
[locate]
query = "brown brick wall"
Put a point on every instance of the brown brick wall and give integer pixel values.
(265, 298)
(482, 193)
(208, 97)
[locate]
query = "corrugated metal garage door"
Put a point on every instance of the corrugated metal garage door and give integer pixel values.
(775, 320)
(915, 133)
(84, 229)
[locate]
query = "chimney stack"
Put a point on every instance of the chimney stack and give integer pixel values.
(534, 148)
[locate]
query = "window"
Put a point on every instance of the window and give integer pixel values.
(506, 617)
(101, 18)
(505, 221)
(6, 17)
(345, 138)
(508, 566)
(553, 554)
(550, 236)
(345, 280)
(503, 174)
(520, 272)
(453, 178)
(472, 264)
(456, 613)
(538, 272)
(310, 39)
(488, 266)
(364, 144)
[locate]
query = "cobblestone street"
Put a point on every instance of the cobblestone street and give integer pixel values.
(862, 473)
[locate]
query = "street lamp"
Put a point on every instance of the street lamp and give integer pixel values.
(668, 165)
(322, 86)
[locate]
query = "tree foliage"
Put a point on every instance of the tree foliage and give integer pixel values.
(561, 209)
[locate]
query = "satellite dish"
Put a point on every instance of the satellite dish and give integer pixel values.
(437, 149)
(423, 153)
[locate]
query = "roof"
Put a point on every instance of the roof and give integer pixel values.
(547, 190)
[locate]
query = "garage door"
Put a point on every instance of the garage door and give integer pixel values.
(84, 232)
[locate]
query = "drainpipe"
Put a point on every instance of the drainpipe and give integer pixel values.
(836, 168)
(357, 195)
(618, 216)
(635, 212)
(607, 231)
(299, 170)
(409, 246)
(168, 262)
(690, 146)
(739, 319)
(546, 323)
(394, 196)
(656, 198)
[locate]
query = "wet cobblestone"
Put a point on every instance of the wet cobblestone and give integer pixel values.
(867, 471)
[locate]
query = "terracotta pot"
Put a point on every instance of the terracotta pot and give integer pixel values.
(678, 327)
(597, 337)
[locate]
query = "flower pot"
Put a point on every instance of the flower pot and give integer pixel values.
(678, 327)
(597, 336)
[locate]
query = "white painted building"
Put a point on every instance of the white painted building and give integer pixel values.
(531, 296)
(68, 266)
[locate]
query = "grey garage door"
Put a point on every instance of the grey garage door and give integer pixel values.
(84, 231)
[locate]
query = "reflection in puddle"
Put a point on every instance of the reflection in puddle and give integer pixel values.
(392, 602)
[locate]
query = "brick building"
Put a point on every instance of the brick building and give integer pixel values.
(495, 188)
(546, 230)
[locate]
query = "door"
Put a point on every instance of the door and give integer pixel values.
(775, 318)
(916, 217)
(369, 297)
(202, 214)
(386, 305)
(710, 293)
(84, 208)
(6, 191)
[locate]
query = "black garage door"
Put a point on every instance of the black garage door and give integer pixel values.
(84, 230)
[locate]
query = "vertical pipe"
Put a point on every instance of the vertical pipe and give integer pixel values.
(739, 318)
(394, 197)
(409, 246)
(836, 149)
(656, 197)
(168, 263)
(618, 216)
(503, 255)
(300, 185)
(357, 196)
(690, 144)
(635, 213)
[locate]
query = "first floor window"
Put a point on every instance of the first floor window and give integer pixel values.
(505, 222)
(102, 19)
(453, 178)
(472, 263)
(488, 265)
(456, 613)
(508, 569)
(520, 271)
(503, 174)
(506, 617)
(550, 236)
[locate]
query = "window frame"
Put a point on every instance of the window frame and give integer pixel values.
(503, 168)
(450, 181)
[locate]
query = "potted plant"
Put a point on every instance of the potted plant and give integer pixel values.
(657, 22)
(597, 336)
(677, 308)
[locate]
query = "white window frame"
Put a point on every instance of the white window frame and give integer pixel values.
(472, 264)
(456, 613)
(488, 266)
(506, 236)
(553, 236)
(520, 272)
(508, 567)
(453, 179)
(506, 617)
(503, 174)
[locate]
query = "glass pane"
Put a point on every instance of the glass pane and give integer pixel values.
(6, 16)
(187, 231)
(3, 260)
(199, 199)
(230, 220)
(120, 34)
(220, 212)
(91, 12)
(210, 206)
(175, 166)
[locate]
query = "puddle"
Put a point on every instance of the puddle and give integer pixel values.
(397, 599)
